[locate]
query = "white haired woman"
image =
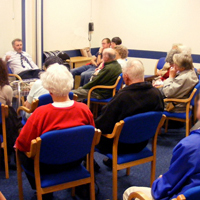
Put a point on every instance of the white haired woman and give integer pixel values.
(59, 115)
(181, 81)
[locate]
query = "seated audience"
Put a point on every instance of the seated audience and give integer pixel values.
(37, 88)
(183, 173)
(86, 71)
(137, 97)
(62, 113)
(121, 54)
(115, 41)
(19, 61)
(181, 81)
(107, 76)
(6, 95)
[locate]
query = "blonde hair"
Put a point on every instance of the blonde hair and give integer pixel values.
(122, 51)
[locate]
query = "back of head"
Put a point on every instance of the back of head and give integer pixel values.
(109, 53)
(57, 80)
(170, 54)
(134, 69)
(122, 51)
(184, 49)
(64, 56)
(116, 40)
(52, 60)
(183, 60)
(3, 73)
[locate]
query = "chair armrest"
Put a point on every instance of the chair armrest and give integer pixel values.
(34, 105)
(32, 151)
(177, 100)
(138, 195)
(117, 130)
(98, 132)
(75, 97)
(16, 76)
(180, 197)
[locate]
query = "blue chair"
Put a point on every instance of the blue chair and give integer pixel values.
(116, 87)
(3, 116)
(132, 130)
(62, 147)
(182, 117)
(159, 65)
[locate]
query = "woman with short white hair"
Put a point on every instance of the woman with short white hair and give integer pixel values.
(62, 113)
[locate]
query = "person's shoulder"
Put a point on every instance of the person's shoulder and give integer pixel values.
(81, 105)
(7, 88)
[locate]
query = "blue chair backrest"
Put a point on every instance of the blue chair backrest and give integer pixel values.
(120, 83)
(9, 70)
(66, 145)
(197, 86)
(140, 127)
(46, 99)
(192, 193)
(161, 63)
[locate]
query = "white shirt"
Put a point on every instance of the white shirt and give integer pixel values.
(122, 62)
(15, 62)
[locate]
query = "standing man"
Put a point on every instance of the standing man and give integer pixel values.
(19, 61)
(86, 71)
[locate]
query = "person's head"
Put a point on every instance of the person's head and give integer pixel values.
(121, 51)
(170, 54)
(133, 72)
(184, 49)
(57, 80)
(109, 55)
(105, 43)
(52, 60)
(183, 61)
(3, 73)
(17, 45)
(176, 45)
(115, 41)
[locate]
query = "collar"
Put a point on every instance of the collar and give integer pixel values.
(141, 85)
(110, 62)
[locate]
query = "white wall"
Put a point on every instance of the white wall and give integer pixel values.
(10, 20)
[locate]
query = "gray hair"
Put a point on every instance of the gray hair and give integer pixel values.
(183, 60)
(57, 80)
(134, 69)
(184, 49)
(122, 51)
(170, 54)
(110, 53)
(16, 40)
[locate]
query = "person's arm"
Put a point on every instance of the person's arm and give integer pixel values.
(181, 168)
(99, 56)
(93, 61)
(8, 92)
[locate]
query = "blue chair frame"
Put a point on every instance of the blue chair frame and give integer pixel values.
(62, 147)
(132, 130)
(3, 116)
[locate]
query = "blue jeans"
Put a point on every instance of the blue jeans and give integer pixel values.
(85, 71)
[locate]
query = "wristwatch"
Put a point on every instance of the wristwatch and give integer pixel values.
(99, 53)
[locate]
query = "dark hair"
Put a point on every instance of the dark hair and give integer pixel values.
(107, 40)
(116, 40)
(52, 60)
(3, 73)
(17, 39)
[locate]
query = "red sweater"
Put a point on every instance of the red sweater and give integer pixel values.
(47, 118)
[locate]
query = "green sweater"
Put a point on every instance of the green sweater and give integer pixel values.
(106, 76)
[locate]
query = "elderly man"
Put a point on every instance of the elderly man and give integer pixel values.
(137, 97)
(87, 70)
(19, 61)
(183, 173)
(106, 76)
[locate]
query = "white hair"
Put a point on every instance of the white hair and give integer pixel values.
(57, 80)
(134, 69)
(184, 49)
(110, 53)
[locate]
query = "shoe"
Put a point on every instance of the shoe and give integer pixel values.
(107, 162)
(48, 196)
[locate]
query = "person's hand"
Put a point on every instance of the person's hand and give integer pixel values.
(160, 176)
(7, 57)
(100, 49)
(172, 72)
